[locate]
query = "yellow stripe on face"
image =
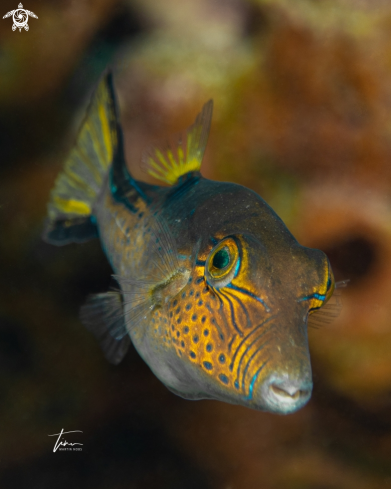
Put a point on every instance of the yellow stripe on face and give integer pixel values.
(72, 206)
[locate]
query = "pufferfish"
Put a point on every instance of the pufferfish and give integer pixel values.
(214, 291)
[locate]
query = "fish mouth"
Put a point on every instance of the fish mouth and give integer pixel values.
(284, 394)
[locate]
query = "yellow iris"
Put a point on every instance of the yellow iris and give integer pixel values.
(222, 263)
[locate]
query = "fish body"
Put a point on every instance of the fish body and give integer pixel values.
(214, 291)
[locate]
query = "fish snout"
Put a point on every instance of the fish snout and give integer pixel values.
(285, 394)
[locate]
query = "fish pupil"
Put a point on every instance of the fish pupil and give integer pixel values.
(221, 258)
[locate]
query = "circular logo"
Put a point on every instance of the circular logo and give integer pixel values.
(20, 19)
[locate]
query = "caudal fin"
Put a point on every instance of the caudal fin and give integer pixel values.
(79, 184)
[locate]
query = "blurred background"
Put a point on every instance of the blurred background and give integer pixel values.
(302, 95)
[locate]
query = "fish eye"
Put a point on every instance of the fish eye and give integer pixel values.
(221, 259)
(222, 263)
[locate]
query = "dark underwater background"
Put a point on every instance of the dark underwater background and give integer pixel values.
(302, 94)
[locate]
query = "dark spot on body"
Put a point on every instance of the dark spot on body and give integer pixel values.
(223, 378)
(208, 365)
(209, 347)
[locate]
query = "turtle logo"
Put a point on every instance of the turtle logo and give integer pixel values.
(20, 17)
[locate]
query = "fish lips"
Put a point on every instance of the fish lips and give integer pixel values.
(283, 393)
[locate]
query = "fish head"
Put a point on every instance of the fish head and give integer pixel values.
(239, 327)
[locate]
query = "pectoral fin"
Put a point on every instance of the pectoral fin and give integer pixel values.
(103, 315)
(156, 279)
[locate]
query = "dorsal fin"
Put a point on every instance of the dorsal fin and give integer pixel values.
(167, 165)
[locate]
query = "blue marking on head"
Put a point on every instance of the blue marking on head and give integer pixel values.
(246, 338)
(223, 378)
(248, 349)
(249, 361)
(231, 307)
(236, 384)
(320, 297)
(237, 267)
(253, 380)
(250, 294)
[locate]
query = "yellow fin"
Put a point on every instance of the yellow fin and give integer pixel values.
(167, 164)
(78, 185)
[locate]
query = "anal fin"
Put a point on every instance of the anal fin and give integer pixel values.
(102, 314)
